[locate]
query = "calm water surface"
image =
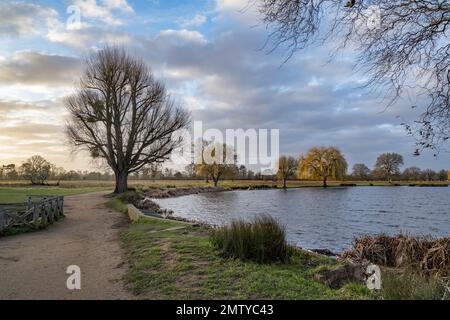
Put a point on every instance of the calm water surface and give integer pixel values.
(327, 218)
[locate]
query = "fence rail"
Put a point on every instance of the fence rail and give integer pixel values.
(37, 214)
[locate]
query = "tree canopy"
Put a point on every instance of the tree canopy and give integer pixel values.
(322, 163)
(360, 171)
(122, 114)
(216, 161)
(287, 167)
(36, 169)
(388, 164)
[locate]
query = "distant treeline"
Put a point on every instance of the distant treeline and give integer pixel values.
(409, 174)
(38, 171)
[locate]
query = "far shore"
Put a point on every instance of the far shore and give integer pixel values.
(179, 191)
(172, 183)
(16, 191)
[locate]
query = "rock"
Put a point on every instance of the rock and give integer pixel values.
(336, 278)
(148, 204)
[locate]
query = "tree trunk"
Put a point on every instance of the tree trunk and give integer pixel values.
(216, 182)
(325, 182)
(284, 183)
(121, 182)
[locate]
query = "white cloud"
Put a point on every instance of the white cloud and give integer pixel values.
(118, 4)
(232, 5)
(244, 11)
(103, 10)
(181, 37)
(87, 37)
(196, 21)
(20, 19)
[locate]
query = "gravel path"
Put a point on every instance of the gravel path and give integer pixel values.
(33, 265)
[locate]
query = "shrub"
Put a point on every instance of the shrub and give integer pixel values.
(131, 196)
(262, 240)
(411, 285)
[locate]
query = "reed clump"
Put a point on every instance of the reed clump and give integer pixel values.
(262, 240)
(428, 254)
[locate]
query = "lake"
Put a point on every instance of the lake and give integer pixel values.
(317, 218)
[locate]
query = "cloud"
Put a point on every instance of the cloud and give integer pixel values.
(34, 68)
(89, 37)
(232, 5)
(181, 37)
(121, 5)
(244, 12)
(103, 10)
(228, 82)
(36, 128)
(24, 19)
(33, 20)
(196, 21)
(222, 75)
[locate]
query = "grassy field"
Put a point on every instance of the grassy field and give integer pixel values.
(181, 264)
(224, 183)
(19, 194)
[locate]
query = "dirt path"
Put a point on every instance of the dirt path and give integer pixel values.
(33, 265)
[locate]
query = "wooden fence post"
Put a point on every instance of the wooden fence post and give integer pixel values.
(37, 214)
(35, 217)
(62, 205)
(29, 203)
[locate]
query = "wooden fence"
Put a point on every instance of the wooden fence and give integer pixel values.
(37, 214)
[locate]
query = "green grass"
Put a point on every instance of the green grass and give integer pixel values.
(117, 205)
(119, 202)
(19, 195)
(412, 285)
(182, 264)
(262, 240)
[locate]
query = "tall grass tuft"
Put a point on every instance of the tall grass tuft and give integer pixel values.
(413, 285)
(262, 240)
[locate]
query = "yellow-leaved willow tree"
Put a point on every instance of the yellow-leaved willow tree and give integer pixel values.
(322, 163)
(216, 161)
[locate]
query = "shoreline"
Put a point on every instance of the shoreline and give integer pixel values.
(149, 207)
(166, 212)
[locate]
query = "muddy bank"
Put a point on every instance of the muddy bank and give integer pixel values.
(151, 208)
(178, 192)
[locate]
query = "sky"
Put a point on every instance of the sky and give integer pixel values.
(211, 56)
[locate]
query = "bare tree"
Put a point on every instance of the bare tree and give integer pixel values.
(122, 114)
(388, 164)
(412, 174)
(429, 175)
(155, 170)
(402, 46)
(9, 172)
(287, 167)
(443, 175)
(216, 161)
(36, 169)
(190, 170)
(360, 171)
